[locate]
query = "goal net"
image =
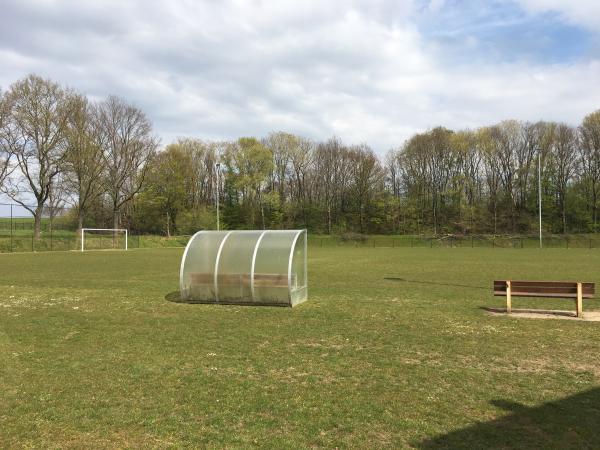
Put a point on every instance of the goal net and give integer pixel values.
(104, 239)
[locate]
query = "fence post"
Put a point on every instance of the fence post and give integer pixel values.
(11, 228)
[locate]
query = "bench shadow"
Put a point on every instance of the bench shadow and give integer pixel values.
(571, 422)
(436, 283)
(554, 312)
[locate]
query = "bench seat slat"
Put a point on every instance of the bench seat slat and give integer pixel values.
(234, 279)
(545, 290)
(556, 284)
(541, 295)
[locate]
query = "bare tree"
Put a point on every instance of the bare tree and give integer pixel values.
(589, 133)
(127, 146)
(301, 160)
(36, 133)
(56, 199)
(368, 178)
(281, 145)
(491, 166)
(84, 162)
(564, 162)
(5, 135)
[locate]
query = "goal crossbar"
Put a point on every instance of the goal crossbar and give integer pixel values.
(83, 230)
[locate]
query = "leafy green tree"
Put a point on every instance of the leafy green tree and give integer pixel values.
(249, 164)
(166, 182)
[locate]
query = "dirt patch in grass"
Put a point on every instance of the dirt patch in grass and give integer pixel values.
(590, 316)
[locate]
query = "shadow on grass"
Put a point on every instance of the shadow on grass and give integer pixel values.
(436, 283)
(541, 312)
(572, 422)
(175, 297)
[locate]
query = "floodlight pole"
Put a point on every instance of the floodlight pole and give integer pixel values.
(540, 194)
(218, 166)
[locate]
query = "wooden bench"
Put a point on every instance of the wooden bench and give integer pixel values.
(546, 289)
(243, 279)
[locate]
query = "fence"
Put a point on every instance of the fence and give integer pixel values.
(65, 240)
(554, 241)
(58, 233)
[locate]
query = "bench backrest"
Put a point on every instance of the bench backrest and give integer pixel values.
(557, 289)
(233, 279)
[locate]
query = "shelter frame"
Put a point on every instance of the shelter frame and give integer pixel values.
(257, 294)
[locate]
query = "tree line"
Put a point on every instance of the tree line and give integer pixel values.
(101, 161)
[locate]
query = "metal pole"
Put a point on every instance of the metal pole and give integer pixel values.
(540, 194)
(11, 228)
(218, 224)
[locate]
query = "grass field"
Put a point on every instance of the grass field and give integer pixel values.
(93, 355)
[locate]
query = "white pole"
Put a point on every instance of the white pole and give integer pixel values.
(82, 239)
(218, 167)
(125, 239)
(540, 194)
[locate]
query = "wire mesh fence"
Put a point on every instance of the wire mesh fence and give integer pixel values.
(480, 241)
(58, 232)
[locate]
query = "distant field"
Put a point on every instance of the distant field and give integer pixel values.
(392, 350)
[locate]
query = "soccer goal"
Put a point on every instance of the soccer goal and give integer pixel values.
(104, 239)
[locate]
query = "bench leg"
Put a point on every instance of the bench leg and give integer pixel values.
(579, 300)
(508, 298)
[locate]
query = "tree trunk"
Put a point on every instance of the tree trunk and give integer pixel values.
(79, 226)
(495, 218)
(37, 221)
(168, 226)
(115, 225)
(594, 210)
(563, 210)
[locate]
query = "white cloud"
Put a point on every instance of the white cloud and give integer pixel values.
(578, 12)
(221, 69)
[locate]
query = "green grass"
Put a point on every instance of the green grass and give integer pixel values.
(93, 355)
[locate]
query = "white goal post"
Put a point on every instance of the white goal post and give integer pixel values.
(118, 230)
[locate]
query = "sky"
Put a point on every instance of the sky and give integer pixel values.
(367, 71)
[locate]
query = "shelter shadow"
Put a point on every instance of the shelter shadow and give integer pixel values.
(175, 297)
(572, 422)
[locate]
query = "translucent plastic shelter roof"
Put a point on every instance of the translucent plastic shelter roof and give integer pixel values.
(266, 267)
